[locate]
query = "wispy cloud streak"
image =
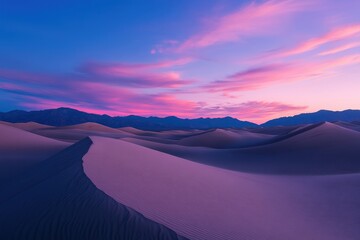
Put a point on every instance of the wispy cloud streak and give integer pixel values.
(343, 32)
(341, 48)
(260, 77)
(256, 111)
(252, 20)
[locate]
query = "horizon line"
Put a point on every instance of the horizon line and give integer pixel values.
(349, 109)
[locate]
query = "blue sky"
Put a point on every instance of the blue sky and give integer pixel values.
(247, 59)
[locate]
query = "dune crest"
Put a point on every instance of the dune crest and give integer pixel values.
(220, 138)
(203, 202)
(56, 200)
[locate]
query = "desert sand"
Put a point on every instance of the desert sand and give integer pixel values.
(77, 132)
(28, 126)
(299, 182)
(55, 200)
(220, 138)
(20, 150)
(204, 202)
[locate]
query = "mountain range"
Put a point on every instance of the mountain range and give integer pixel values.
(316, 117)
(68, 116)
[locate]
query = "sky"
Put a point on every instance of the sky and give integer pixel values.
(252, 60)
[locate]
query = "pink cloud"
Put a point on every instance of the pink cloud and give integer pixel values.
(279, 73)
(146, 75)
(143, 105)
(140, 75)
(252, 20)
(96, 97)
(105, 98)
(127, 68)
(255, 111)
(25, 76)
(336, 34)
(340, 48)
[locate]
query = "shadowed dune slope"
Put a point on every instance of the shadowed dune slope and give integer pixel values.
(56, 200)
(316, 149)
(204, 202)
(169, 134)
(279, 130)
(20, 150)
(320, 149)
(137, 131)
(353, 125)
(220, 138)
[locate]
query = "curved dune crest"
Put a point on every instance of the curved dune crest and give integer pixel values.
(203, 202)
(56, 200)
(28, 126)
(316, 149)
(133, 130)
(322, 149)
(161, 135)
(352, 125)
(77, 132)
(220, 138)
(92, 126)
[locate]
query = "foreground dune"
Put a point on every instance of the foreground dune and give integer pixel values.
(20, 150)
(302, 183)
(55, 200)
(204, 202)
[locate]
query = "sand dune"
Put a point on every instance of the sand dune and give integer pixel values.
(318, 149)
(279, 130)
(353, 126)
(56, 200)
(138, 131)
(220, 138)
(204, 202)
(28, 126)
(302, 183)
(77, 132)
(20, 150)
(170, 134)
(323, 149)
(91, 126)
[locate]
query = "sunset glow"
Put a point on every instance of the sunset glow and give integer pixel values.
(252, 60)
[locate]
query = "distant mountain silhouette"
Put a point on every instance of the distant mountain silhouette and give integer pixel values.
(68, 116)
(316, 117)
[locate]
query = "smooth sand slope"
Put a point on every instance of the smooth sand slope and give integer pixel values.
(55, 200)
(278, 130)
(220, 138)
(317, 149)
(162, 135)
(77, 132)
(204, 202)
(138, 131)
(28, 126)
(322, 149)
(354, 125)
(20, 150)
